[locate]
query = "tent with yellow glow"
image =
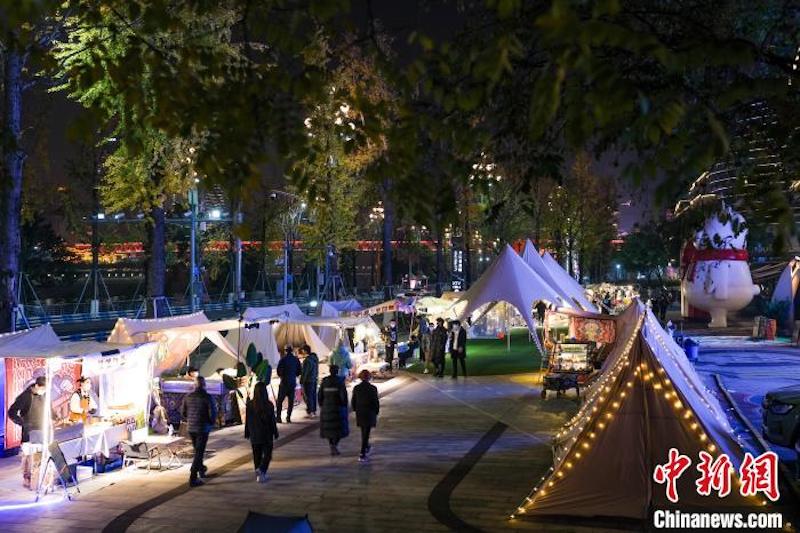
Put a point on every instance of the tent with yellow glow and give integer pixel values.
(647, 400)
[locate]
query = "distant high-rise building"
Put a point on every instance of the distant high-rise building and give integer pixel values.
(746, 178)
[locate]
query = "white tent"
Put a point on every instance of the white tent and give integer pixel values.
(261, 336)
(568, 284)
(177, 336)
(508, 279)
(786, 288)
(330, 335)
(647, 400)
(294, 327)
(277, 312)
(532, 258)
(121, 373)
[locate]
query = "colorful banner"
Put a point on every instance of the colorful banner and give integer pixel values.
(20, 373)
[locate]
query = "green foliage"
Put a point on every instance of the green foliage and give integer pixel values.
(645, 252)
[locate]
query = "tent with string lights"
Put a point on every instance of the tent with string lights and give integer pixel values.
(508, 279)
(567, 284)
(647, 400)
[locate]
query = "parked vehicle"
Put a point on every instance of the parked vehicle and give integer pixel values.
(781, 416)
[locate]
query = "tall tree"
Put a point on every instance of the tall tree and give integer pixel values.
(26, 31)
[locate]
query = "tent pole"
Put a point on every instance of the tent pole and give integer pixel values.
(43, 463)
(508, 330)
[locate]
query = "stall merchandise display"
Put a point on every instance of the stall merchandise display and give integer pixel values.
(571, 367)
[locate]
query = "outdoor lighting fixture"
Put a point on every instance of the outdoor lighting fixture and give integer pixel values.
(101, 216)
(215, 214)
(313, 303)
(119, 216)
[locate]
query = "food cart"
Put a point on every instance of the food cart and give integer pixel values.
(571, 366)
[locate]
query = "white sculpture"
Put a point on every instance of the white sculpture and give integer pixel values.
(718, 279)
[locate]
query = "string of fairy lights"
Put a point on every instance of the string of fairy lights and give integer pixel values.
(600, 408)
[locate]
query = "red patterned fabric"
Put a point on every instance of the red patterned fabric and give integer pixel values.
(590, 329)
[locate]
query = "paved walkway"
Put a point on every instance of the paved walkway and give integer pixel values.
(427, 473)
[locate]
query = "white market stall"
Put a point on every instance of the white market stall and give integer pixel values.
(120, 377)
(292, 327)
(177, 337)
(331, 309)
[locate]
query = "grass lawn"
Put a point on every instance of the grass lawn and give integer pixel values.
(487, 357)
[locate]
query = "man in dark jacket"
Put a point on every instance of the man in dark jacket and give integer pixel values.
(458, 348)
(390, 342)
(288, 369)
(366, 406)
(309, 379)
(438, 345)
(28, 411)
(333, 414)
(199, 412)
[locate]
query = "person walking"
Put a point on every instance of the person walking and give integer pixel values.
(425, 354)
(199, 412)
(458, 348)
(333, 410)
(260, 427)
(309, 377)
(438, 346)
(289, 368)
(366, 406)
(27, 411)
(390, 340)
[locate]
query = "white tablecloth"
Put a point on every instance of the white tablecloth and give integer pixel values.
(96, 439)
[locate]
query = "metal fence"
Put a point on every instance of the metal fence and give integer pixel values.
(71, 313)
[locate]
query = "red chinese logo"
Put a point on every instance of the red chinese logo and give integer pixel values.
(760, 474)
(757, 474)
(670, 472)
(714, 475)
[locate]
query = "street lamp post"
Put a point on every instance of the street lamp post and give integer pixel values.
(194, 274)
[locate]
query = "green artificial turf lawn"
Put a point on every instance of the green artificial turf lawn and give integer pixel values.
(487, 357)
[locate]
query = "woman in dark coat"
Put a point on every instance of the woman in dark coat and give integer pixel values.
(261, 428)
(333, 410)
(366, 405)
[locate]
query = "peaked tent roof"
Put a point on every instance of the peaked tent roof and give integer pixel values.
(274, 312)
(786, 287)
(567, 283)
(532, 258)
(508, 279)
(42, 342)
(40, 338)
(647, 400)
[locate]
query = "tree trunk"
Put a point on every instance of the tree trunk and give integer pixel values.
(388, 232)
(157, 262)
(13, 159)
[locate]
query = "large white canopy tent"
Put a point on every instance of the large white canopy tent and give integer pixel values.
(568, 284)
(647, 400)
(508, 279)
(534, 260)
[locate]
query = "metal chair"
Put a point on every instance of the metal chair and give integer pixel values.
(140, 452)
